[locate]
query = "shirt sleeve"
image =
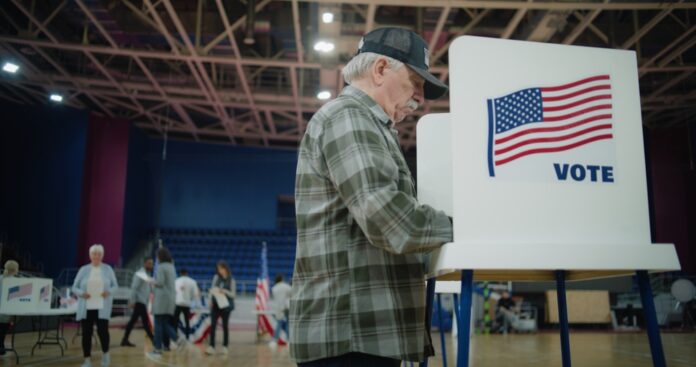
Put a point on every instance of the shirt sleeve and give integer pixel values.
(365, 174)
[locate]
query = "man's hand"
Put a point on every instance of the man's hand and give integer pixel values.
(105, 294)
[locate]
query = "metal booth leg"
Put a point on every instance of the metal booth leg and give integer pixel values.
(563, 317)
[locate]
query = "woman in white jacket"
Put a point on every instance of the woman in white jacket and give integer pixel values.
(95, 284)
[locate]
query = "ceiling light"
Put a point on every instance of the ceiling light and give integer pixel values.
(56, 97)
(324, 95)
(327, 17)
(323, 46)
(10, 67)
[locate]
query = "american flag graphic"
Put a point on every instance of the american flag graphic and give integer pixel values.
(262, 295)
(19, 291)
(45, 293)
(548, 120)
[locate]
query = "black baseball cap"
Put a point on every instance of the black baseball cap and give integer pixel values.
(408, 47)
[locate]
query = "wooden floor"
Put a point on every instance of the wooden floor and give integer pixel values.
(538, 350)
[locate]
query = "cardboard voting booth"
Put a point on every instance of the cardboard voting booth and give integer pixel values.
(540, 162)
(25, 295)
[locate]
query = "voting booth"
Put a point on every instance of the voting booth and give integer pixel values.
(22, 295)
(540, 162)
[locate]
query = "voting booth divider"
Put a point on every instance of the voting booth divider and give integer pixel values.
(541, 165)
(22, 295)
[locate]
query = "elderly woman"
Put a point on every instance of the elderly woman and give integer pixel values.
(164, 302)
(11, 269)
(94, 285)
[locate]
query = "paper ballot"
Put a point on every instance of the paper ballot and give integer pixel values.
(142, 275)
(220, 298)
(95, 288)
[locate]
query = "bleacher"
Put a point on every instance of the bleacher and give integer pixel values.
(199, 249)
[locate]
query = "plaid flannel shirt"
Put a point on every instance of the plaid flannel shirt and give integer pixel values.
(358, 284)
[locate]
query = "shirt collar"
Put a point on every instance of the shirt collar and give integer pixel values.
(370, 103)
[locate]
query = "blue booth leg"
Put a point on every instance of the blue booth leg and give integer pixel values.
(442, 331)
(429, 299)
(646, 297)
(563, 317)
(464, 319)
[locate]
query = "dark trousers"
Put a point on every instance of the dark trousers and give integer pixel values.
(163, 327)
(88, 328)
(3, 332)
(353, 360)
(187, 315)
(215, 314)
(139, 311)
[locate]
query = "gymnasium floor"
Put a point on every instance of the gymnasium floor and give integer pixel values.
(538, 350)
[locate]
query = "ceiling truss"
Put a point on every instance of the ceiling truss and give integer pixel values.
(204, 85)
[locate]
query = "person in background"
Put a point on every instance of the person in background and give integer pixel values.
(11, 270)
(164, 302)
(223, 289)
(140, 295)
(506, 313)
(95, 275)
(280, 292)
(187, 293)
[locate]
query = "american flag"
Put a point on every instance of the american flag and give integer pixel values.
(262, 295)
(19, 291)
(45, 293)
(549, 119)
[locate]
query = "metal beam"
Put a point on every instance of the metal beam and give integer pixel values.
(643, 68)
(479, 17)
(444, 14)
(370, 20)
(238, 23)
(240, 71)
(541, 5)
(584, 23)
(514, 22)
(298, 32)
(648, 26)
(50, 17)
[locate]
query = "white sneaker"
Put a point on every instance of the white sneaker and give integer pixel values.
(273, 344)
(209, 350)
(223, 351)
(182, 344)
(155, 354)
(106, 360)
(86, 363)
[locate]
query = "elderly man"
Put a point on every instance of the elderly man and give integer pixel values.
(358, 287)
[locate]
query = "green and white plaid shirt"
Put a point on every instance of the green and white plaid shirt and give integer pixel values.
(359, 274)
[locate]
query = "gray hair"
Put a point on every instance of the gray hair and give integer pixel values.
(361, 63)
(11, 268)
(96, 248)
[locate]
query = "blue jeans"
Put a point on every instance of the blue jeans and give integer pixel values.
(281, 324)
(163, 324)
(353, 360)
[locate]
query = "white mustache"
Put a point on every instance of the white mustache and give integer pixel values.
(412, 104)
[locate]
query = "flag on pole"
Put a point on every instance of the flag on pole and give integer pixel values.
(262, 296)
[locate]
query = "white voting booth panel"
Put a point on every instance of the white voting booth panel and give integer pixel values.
(540, 162)
(22, 295)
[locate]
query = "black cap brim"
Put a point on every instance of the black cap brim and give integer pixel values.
(433, 87)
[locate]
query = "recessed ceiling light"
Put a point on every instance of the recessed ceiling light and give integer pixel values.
(323, 46)
(56, 97)
(10, 67)
(324, 95)
(327, 17)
